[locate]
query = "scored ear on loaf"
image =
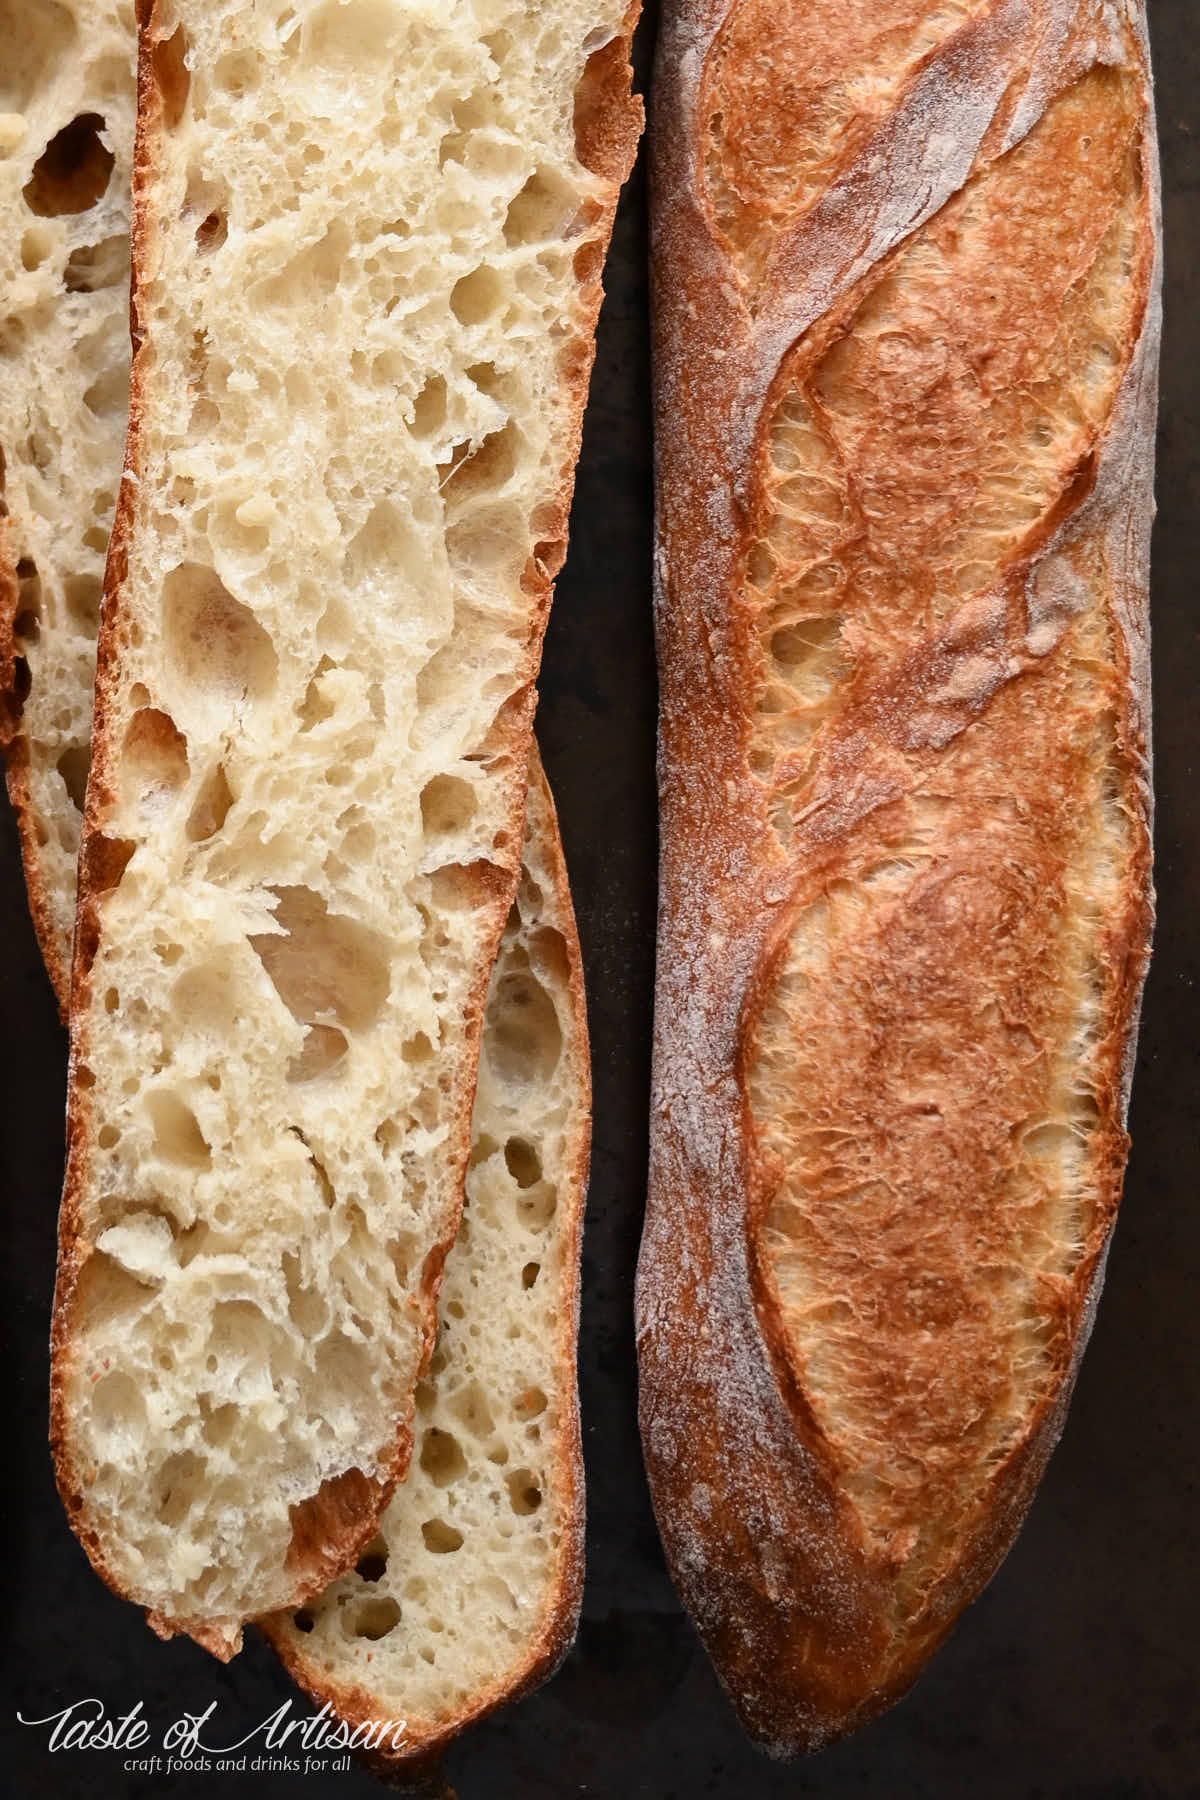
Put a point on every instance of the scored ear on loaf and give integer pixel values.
(904, 494)
(367, 241)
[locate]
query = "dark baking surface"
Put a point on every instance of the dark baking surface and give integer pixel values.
(1078, 1671)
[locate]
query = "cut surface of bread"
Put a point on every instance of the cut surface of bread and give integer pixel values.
(367, 244)
(495, 1495)
(66, 145)
(470, 1592)
(905, 464)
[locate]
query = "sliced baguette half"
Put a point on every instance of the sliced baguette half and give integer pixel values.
(469, 1595)
(367, 242)
(66, 145)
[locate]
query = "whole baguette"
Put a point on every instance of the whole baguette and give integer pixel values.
(469, 1596)
(906, 300)
(322, 620)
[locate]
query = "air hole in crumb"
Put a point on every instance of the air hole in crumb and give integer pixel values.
(475, 297)
(523, 1162)
(109, 1135)
(306, 1307)
(73, 170)
(429, 408)
(524, 1493)
(212, 231)
(372, 1564)
(170, 71)
(112, 1000)
(108, 395)
(402, 1249)
(526, 1041)
(105, 860)
(93, 267)
(541, 210)
(236, 71)
(155, 759)
(210, 808)
(483, 470)
(36, 245)
(220, 1424)
(375, 1618)
(324, 1047)
(441, 1457)
(537, 1205)
(470, 1407)
(448, 804)
(303, 1620)
(530, 1273)
(441, 1538)
(29, 596)
(73, 766)
(178, 1486)
(530, 1404)
(177, 1134)
(316, 705)
(212, 641)
(325, 965)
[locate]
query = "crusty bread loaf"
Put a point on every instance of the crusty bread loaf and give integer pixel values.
(907, 323)
(470, 1593)
(493, 1510)
(66, 143)
(367, 243)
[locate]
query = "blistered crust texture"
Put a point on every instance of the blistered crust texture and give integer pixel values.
(367, 244)
(471, 1589)
(66, 147)
(905, 463)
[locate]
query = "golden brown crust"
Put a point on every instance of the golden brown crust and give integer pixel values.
(426, 1740)
(100, 858)
(904, 452)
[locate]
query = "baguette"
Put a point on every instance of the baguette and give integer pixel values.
(499, 1398)
(469, 1596)
(907, 279)
(324, 600)
(66, 144)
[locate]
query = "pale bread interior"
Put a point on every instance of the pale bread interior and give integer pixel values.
(66, 141)
(323, 618)
(475, 1568)
(493, 1492)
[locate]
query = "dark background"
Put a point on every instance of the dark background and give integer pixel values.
(1077, 1671)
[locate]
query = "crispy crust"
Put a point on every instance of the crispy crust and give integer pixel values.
(801, 1610)
(101, 858)
(556, 1628)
